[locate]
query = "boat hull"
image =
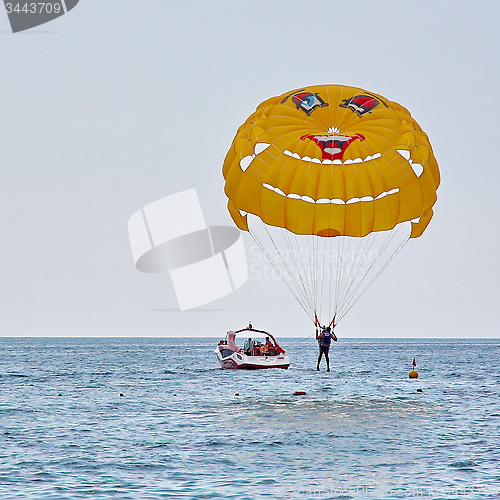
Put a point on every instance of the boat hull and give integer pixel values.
(240, 361)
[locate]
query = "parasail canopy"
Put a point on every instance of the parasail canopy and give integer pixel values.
(331, 181)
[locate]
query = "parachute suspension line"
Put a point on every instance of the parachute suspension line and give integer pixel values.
(268, 257)
(299, 266)
(320, 277)
(373, 279)
(331, 296)
(345, 269)
(327, 261)
(317, 281)
(332, 322)
(316, 320)
(313, 271)
(307, 260)
(342, 263)
(311, 250)
(339, 241)
(379, 272)
(323, 269)
(334, 276)
(293, 275)
(352, 293)
(341, 266)
(345, 276)
(328, 271)
(309, 266)
(357, 262)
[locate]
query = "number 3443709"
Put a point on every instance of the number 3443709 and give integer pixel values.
(33, 8)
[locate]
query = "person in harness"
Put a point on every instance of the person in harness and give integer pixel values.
(324, 340)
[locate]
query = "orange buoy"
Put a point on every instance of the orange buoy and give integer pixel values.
(413, 373)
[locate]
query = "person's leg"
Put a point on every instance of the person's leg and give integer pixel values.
(327, 360)
(319, 358)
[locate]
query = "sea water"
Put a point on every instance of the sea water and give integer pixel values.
(156, 418)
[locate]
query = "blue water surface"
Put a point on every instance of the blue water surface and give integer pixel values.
(156, 418)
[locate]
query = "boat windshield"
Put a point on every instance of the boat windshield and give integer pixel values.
(264, 345)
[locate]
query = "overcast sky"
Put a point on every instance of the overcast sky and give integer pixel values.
(122, 102)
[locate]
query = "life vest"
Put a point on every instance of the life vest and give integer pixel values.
(325, 339)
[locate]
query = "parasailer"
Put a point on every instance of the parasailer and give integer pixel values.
(331, 181)
(324, 338)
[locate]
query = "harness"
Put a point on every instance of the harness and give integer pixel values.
(325, 339)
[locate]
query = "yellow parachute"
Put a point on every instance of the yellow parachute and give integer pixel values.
(331, 181)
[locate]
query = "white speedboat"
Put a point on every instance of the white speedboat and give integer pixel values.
(255, 355)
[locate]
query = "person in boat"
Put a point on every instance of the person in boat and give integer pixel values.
(248, 347)
(271, 348)
(264, 349)
(257, 348)
(324, 340)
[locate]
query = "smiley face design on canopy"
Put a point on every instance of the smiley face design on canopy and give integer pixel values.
(331, 160)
